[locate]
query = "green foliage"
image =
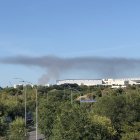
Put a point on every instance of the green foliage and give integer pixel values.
(121, 110)
(47, 113)
(131, 132)
(131, 136)
(70, 123)
(74, 122)
(17, 130)
(3, 126)
(115, 115)
(105, 123)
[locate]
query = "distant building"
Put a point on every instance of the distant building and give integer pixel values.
(17, 85)
(122, 82)
(135, 81)
(47, 85)
(80, 82)
(119, 82)
(115, 83)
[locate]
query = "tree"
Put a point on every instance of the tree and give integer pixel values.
(75, 122)
(121, 110)
(47, 115)
(3, 126)
(131, 136)
(70, 123)
(102, 128)
(113, 107)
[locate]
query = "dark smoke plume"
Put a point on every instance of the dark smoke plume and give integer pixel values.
(55, 66)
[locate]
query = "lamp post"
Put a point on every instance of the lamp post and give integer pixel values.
(36, 108)
(72, 93)
(36, 112)
(79, 93)
(71, 97)
(36, 93)
(25, 98)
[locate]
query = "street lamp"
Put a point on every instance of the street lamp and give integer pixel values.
(79, 93)
(71, 93)
(36, 92)
(36, 112)
(36, 107)
(25, 99)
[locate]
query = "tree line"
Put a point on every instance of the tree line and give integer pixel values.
(61, 116)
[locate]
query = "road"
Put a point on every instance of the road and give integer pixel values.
(32, 136)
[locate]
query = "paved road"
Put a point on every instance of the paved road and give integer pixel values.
(32, 135)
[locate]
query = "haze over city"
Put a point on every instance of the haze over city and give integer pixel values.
(49, 40)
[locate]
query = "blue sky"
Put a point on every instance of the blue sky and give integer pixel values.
(66, 28)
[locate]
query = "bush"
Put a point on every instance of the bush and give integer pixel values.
(17, 130)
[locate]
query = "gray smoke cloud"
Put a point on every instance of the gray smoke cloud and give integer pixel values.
(55, 66)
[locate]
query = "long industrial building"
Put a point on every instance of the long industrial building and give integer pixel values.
(80, 82)
(93, 82)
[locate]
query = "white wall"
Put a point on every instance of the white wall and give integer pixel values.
(115, 82)
(80, 82)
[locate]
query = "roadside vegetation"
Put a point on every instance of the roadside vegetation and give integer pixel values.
(115, 114)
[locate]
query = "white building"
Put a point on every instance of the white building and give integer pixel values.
(80, 82)
(122, 82)
(133, 81)
(108, 82)
(119, 82)
(17, 85)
